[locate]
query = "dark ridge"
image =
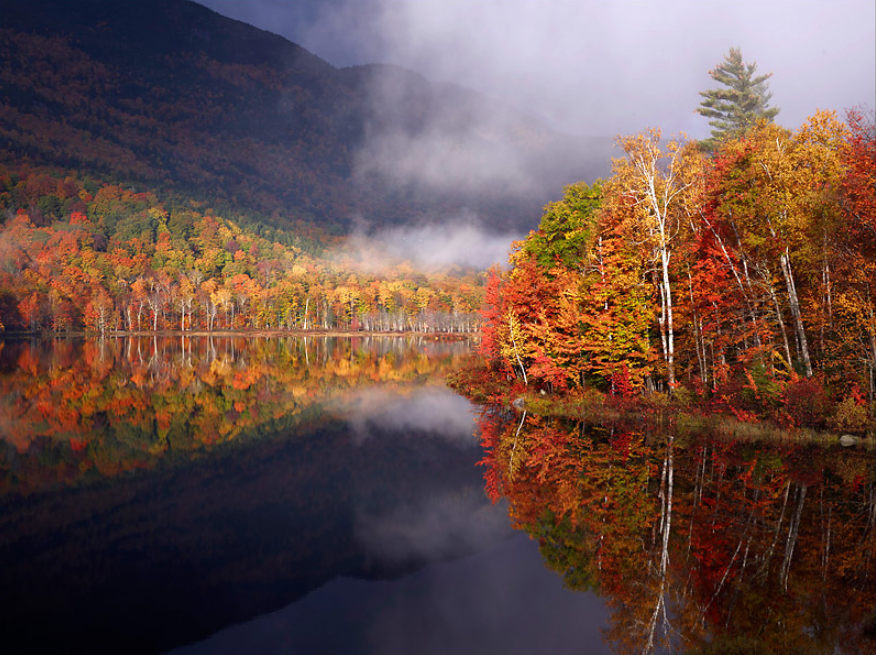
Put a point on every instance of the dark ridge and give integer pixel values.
(171, 94)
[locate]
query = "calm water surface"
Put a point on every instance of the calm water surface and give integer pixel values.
(333, 496)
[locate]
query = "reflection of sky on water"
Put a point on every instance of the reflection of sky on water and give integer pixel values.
(429, 521)
(436, 411)
(354, 504)
(473, 584)
(500, 600)
(432, 528)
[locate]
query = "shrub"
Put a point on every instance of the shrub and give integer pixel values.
(849, 416)
(804, 402)
(762, 390)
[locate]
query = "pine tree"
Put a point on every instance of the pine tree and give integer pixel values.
(740, 104)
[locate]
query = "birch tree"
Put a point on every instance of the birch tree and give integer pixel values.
(654, 188)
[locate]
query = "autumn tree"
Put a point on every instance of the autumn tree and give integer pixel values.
(774, 193)
(856, 245)
(113, 256)
(566, 229)
(652, 193)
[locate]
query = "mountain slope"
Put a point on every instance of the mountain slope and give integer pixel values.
(170, 93)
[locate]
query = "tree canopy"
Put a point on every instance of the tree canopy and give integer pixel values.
(742, 100)
(745, 277)
(78, 253)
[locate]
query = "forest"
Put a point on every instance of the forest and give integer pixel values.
(743, 276)
(737, 270)
(82, 254)
(238, 117)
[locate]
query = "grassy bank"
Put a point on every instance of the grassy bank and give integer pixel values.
(683, 410)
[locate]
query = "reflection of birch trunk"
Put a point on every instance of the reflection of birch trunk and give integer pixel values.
(825, 542)
(871, 514)
(514, 447)
(666, 487)
(154, 360)
(871, 517)
(699, 481)
(791, 541)
(771, 549)
(743, 539)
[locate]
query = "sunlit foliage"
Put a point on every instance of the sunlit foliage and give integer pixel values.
(79, 254)
(746, 277)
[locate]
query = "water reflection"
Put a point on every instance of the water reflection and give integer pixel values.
(697, 545)
(324, 493)
(151, 502)
(496, 602)
(84, 410)
(417, 410)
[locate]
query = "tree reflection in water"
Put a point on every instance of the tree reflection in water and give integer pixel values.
(700, 545)
(267, 469)
(82, 410)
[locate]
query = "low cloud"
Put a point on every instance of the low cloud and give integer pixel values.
(458, 241)
(597, 67)
(445, 139)
(441, 161)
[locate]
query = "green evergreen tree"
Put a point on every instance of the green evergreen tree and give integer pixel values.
(740, 104)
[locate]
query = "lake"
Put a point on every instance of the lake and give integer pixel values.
(331, 495)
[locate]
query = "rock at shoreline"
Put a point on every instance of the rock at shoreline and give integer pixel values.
(849, 440)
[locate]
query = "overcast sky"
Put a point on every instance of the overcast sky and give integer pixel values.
(591, 67)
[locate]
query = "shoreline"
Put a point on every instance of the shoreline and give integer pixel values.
(658, 409)
(239, 334)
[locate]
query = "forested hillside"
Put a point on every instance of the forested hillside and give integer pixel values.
(169, 94)
(77, 253)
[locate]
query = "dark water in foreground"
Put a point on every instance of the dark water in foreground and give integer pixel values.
(324, 496)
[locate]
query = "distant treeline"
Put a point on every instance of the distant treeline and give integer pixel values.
(80, 254)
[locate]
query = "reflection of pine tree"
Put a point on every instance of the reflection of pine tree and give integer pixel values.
(740, 104)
